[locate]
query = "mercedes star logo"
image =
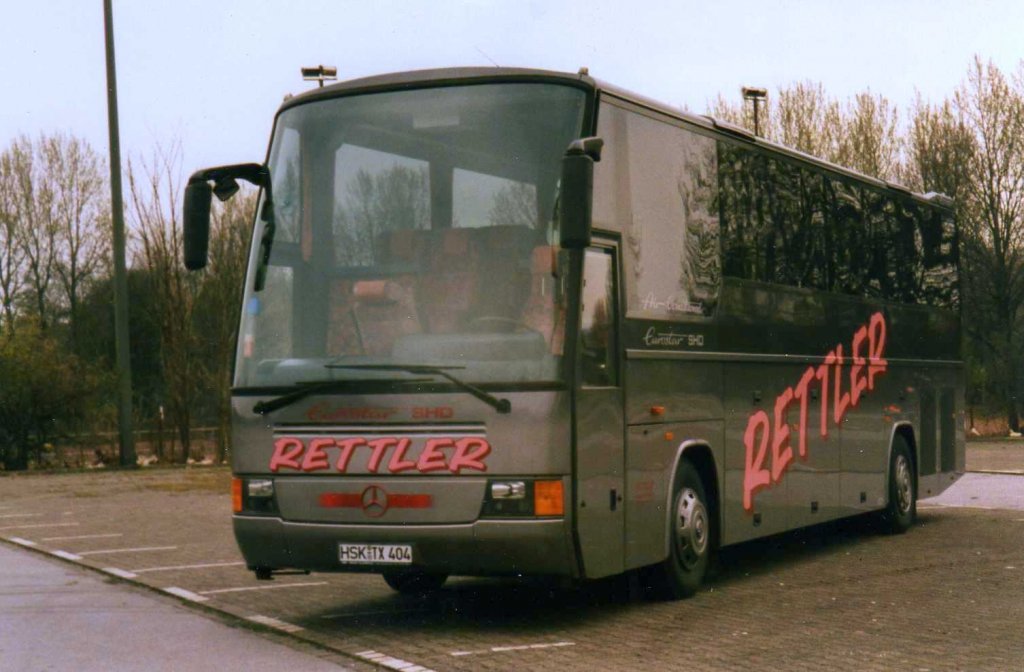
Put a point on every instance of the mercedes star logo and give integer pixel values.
(375, 501)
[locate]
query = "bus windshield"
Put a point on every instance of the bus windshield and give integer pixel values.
(413, 227)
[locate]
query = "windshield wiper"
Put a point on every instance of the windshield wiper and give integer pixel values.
(308, 389)
(500, 405)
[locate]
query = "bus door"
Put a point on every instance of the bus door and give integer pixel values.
(600, 437)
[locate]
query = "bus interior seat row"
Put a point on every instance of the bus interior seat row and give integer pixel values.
(491, 280)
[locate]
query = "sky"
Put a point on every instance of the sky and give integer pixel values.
(209, 76)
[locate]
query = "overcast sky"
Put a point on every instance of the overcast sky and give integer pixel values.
(211, 74)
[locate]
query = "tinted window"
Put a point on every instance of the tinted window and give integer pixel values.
(597, 320)
(664, 187)
(787, 224)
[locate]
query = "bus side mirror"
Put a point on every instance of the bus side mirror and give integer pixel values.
(577, 193)
(196, 228)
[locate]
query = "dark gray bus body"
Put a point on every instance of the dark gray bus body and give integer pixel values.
(717, 304)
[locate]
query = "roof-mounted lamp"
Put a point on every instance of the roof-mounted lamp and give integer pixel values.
(757, 95)
(320, 73)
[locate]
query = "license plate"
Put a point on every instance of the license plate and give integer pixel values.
(375, 554)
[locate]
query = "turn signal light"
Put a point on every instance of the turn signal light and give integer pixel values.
(548, 499)
(236, 495)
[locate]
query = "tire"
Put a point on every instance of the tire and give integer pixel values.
(691, 537)
(414, 582)
(900, 514)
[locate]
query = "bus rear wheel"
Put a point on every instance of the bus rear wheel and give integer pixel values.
(414, 582)
(901, 512)
(690, 539)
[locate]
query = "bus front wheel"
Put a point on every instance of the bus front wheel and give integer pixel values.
(412, 582)
(690, 538)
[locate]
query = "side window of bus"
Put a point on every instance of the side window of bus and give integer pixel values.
(659, 185)
(775, 220)
(796, 226)
(598, 358)
(287, 185)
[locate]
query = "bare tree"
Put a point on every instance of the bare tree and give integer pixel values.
(723, 109)
(80, 217)
(37, 228)
(153, 207)
(11, 255)
(218, 311)
(805, 118)
(869, 139)
(940, 151)
(862, 135)
(994, 219)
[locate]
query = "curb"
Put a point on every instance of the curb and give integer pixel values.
(1001, 472)
(251, 622)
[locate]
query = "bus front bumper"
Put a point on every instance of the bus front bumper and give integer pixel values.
(482, 548)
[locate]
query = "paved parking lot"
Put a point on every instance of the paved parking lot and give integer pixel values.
(948, 595)
(88, 624)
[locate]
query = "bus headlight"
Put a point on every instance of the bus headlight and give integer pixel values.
(260, 487)
(523, 498)
(253, 496)
(508, 490)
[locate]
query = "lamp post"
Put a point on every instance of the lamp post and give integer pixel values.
(124, 371)
(756, 95)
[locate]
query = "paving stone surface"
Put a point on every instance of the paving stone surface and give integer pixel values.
(948, 595)
(996, 455)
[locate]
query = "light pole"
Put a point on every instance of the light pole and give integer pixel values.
(756, 95)
(124, 370)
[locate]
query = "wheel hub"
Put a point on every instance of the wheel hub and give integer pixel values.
(691, 522)
(904, 484)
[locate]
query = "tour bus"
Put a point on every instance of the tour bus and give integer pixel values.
(506, 322)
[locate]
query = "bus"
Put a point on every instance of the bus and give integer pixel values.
(516, 322)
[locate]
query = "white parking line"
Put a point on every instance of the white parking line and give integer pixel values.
(119, 572)
(248, 588)
(274, 623)
(83, 536)
(391, 662)
(19, 515)
(186, 594)
(21, 542)
(38, 525)
(171, 568)
(140, 549)
(66, 555)
(940, 505)
(515, 647)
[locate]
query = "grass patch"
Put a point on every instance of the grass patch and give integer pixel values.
(205, 479)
